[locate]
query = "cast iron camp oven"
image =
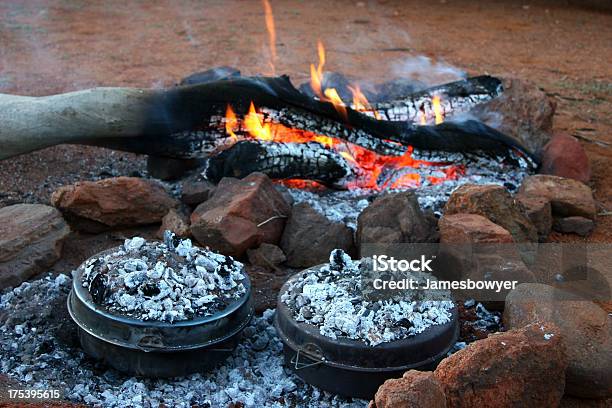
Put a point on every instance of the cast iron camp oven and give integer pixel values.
(154, 348)
(350, 367)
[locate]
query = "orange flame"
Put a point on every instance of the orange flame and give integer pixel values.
(231, 122)
(253, 122)
(333, 97)
(437, 109)
(316, 81)
(361, 103)
(368, 165)
(271, 34)
(422, 117)
(316, 74)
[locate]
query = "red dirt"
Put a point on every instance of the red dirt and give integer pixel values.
(62, 45)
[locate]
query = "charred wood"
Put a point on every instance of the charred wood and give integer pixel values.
(309, 161)
(188, 121)
(455, 98)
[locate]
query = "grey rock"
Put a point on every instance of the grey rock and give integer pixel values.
(576, 225)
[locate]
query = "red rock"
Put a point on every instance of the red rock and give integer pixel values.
(416, 389)
(574, 225)
(586, 330)
(267, 255)
(525, 111)
(539, 212)
(241, 214)
(309, 237)
(395, 218)
(177, 222)
(471, 228)
(567, 197)
(495, 203)
(115, 202)
(31, 240)
(523, 367)
(195, 192)
(475, 248)
(564, 156)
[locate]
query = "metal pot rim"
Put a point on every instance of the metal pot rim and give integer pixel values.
(85, 297)
(157, 336)
(355, 354)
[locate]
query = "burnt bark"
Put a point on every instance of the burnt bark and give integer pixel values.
(455, 98)
(309, 161)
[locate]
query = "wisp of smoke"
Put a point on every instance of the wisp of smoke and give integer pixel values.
(421, 68)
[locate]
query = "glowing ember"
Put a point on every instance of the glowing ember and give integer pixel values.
(271, 34)
(372, 170)
(302, 184)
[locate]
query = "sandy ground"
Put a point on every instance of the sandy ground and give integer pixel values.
(64, 45)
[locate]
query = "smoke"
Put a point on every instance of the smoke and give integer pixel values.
(422, 69)
(492, 119)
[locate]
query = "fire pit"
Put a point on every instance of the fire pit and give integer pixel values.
(141, 314)
(338, 341)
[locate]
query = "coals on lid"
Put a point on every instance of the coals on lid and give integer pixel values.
(164, 281)
(332, 300)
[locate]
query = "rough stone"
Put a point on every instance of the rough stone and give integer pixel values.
(539, 212)
(31, 240)
(525, 111)
(567, 197)
(195, 192)
(395, 218)
(576, 225)
(564, 156)
(471, 228)
(177, 222)
(115, 202)
(495, 203)
(416, 389)
(523, 367)
(586, 329)
(309, 237)
(475, 248)
(242, 214)
(266, 255)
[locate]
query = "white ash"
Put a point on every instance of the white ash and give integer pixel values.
(332, 300)
(346, 205)
(165, 281)
(34, 352)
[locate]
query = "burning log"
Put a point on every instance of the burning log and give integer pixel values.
(439, 101)
(279, 161)
(189, 121)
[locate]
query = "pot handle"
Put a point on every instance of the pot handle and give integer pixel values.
(308, 351)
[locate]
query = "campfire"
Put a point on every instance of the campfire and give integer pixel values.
(293, 145)
(260, 272)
